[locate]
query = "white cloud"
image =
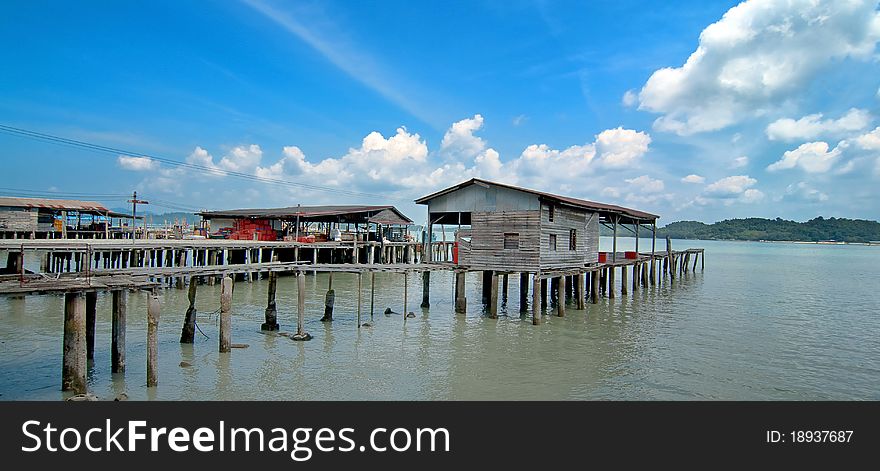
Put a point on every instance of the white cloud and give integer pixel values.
(870, 141)
(519, 119)
(740, 162)
(811, 157)
(692, 178)
(242, 158)
(804, 192)
(630, 98)
(758, 55)
(813, 126)
(138, 164)
(729, 187)
(610, 192)
(395, 161)
(752, 196)
(646, 184)
(620, 147)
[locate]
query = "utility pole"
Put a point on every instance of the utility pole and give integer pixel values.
(134, 202)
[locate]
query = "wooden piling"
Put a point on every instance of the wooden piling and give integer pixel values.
(611, 274)
(426, 289)
(226, 315)
(188, 331)
(152, 340)
(372, 293)
(359, 278)
(536, 301)
(329, 300)
(579, 291)
(560, 301)
(623, 281)
(91, 319)
(594, 286)
(73, 369)
(460, 298)
(117, 340)
(493, 296)
(504, 279)
(271, 323)
(301, 305)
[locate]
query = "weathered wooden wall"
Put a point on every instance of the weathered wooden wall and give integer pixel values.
(18, 221)
(566, 218)
(486, 248)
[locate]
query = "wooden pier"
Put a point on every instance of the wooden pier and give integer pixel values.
(79, 269)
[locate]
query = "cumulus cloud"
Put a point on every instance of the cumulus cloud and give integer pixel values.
(621, 147)
(813, 126)
(811, 157)
(138, 164)
(692, 178)
(729, 187)
(242, 158)
(519, 119)
(869, 141)
(758, 55)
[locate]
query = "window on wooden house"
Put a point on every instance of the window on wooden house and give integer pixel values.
(553, 242)
(572, 239)
(551, 212)
(511, 240)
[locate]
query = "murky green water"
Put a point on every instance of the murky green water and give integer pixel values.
(764, 321)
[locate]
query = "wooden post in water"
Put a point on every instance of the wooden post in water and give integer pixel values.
(117, 339)
(669, 257)
(91, 318)
(188, 331)
(226, 315)
(696, 256)
(536, 301)
(359, 277)
(493, 296)
(653, 250)
(560, 300)
(152, 340)
(611, 282)
(703, 260)
(329, 300)
(635, 280)
(73, 364)
(594, 286)
(301, 308)
(523, 292)
(460, 299)
(426, 289)
(579, 292)
(405, 294)
(623, 282)
(271, 323)
(504, 278)
(372, 292)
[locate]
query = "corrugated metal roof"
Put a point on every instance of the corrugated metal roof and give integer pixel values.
(388, 217)
(308, 212)
(591, 205)
(58, 205)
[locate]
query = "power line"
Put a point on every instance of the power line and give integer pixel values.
(73, 143)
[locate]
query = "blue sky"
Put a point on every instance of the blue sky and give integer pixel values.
(694, 110)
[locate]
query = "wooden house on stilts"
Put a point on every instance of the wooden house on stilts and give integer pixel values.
(506, 229)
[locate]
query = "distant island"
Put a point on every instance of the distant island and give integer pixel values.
(814, 230)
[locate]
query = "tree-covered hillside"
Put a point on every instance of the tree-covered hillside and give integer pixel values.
(814, 230)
